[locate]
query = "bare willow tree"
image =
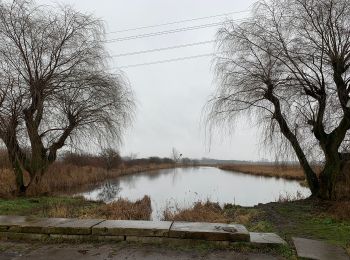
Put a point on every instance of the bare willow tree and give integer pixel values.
(55, 88)
(288, 68)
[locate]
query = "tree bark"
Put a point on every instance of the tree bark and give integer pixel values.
(21, 188)
(329, 176)
(311, 176)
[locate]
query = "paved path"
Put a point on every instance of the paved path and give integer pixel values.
(320, 250)
(19, 251)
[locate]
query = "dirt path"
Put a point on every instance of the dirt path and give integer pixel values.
(16, 251)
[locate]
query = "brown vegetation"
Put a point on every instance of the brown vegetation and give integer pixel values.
(76, 172)
(67, 178)
(120, 209)
(7, 183)
(199, 212)
(292, 172)
(123, 209)
(211, 212)
(340, 210)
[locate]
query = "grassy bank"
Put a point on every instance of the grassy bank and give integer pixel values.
(77, 207)
(292, 172)
(306, 218)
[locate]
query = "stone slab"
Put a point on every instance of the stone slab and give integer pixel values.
(314, 249)
(42, 226)
(147, 240)
(108, 238)
(175, 241)
(266, 239)
(86, 238)
(23, 236)
(132, 228)
(8, 221)
(209, 231)
(76, 227)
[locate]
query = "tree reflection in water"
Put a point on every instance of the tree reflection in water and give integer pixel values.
(109, 191)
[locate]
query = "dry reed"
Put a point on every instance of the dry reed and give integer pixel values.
(121, 209)
(293, 172)
(67, 178)
(199, 212)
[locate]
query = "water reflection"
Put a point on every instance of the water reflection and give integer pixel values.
(109, 191)
(182, 187)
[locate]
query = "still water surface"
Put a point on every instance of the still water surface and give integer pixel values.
(184, 186)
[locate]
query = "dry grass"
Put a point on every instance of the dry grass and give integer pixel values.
(126, 210)
(284, 198)
(199, 212)
(212, 213)
(120, 209)
(7, 183)
(293, 172)
(67, 178)
(70, 178)
(340, 210)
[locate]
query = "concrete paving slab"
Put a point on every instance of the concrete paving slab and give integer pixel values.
(8, 221)
(23, 236)
(42, 226)
(76, 227)
(209, 231)
(320, 250)
(266, 239)
(86, 238)
(132, 228)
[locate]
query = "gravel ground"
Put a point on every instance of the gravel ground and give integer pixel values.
(14, 251)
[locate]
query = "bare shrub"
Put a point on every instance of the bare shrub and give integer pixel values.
(283, 198)
(123, 209)
(111, 158)
(199, 212)
(340, 210)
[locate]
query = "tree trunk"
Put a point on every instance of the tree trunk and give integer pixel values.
(21, 188)
(335, 177)
(18, 171)
(341, 186)
(310, 175)
(328, 180)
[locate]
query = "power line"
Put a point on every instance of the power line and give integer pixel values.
(145, 35)
(180, 21)
(166, 61)
(162, 49)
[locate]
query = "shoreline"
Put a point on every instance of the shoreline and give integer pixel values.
(291, 172)
(117, 173)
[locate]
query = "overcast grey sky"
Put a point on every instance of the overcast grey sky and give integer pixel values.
(170, 96)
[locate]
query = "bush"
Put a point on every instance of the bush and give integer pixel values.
(200, 212)
(108, 159)
(82, 159)
(123, 209)
(151, 160)
(111, 159)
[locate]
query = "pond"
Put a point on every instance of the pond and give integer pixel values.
(182, 187)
